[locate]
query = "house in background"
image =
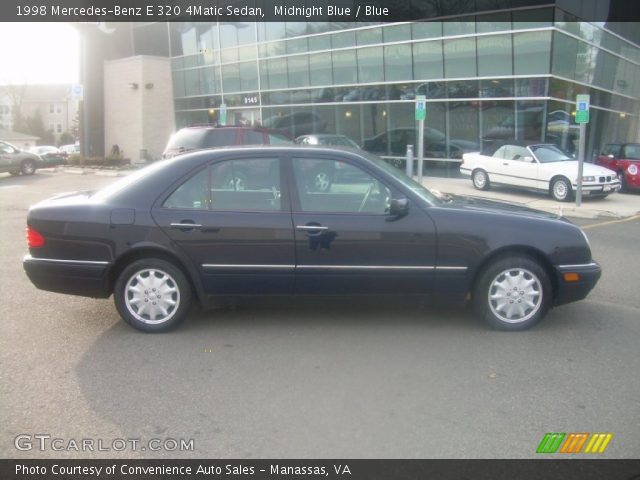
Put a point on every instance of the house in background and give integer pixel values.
(20, 140)
(54, 103)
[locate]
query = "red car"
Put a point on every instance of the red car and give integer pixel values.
(208, 136)
(623, 158)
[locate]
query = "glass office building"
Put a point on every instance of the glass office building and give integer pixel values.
(509, 73)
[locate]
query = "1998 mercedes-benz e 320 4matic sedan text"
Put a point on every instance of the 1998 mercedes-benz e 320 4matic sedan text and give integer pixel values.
(248, 222)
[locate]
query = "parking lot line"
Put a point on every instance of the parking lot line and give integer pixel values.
(611, 222)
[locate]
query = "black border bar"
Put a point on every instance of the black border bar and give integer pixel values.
(544, 469)
(307, 10)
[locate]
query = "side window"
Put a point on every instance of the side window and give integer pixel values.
(194, 193)
(338, 187)
(222, 137)
(251, 137)
(612, 149)
(515, 152)
(246, 184)
(500, 153)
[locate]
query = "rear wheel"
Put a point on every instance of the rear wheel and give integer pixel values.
(28, 167)
(512, 293)
(480, 179)
(152, 295)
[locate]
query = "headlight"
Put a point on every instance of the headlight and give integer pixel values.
(632, 169)
(589, 179)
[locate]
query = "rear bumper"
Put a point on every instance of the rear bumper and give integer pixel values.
(571, 291)
(74, 277)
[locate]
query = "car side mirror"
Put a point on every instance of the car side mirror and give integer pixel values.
(527, 159)
(611, 156)
(399, 207)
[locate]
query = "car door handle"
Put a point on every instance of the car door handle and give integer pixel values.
(311, 228)
(505, 163)
(185, 225)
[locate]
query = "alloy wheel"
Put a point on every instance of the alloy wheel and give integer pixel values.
(515, 295)
(152, 296)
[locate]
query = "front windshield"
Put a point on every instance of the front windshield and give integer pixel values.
(410, 183)
(549, 153)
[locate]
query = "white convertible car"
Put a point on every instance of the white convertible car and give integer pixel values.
(540, 167)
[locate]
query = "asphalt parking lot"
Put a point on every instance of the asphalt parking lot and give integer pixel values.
(317, 381)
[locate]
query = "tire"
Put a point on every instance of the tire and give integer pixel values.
(28, 167)
(480, 179)
(321, 181)
(623, 182)
(512, 293)
(160, 277)
(561, 190)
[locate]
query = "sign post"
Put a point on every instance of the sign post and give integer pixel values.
(223, 114)
(582, 118)
(421, 114)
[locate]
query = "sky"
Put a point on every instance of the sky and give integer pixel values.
(38, 53)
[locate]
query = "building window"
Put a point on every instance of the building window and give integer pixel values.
(397, 62)
(460, 58)
(531, 53)
(494, 55)
(59, 128)
(58, 108)
(427, 60)
(51, 108)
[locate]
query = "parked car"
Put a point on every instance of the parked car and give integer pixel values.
(296, 124)
(209, 136)
(16, 161)
(50, 155)
(394, 142)
(624, 159)
(542, 167)
(172, 234)
(328, 139)
(71, 149)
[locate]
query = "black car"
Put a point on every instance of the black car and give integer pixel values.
(174, 233)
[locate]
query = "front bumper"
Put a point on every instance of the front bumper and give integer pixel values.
(572, 291)
(73, 277)
(595, 189)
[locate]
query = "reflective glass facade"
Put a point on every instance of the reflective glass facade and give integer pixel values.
(486, 77)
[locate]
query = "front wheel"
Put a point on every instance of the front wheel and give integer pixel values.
(623, 182)
(152, 295)
(561, 189)
(513, 293)
(480, 179)
(28, 167)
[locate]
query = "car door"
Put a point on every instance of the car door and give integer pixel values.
(233, 220)
(346, 241)
(5, 156)
(519, 167)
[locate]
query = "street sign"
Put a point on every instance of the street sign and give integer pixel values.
(421, 107)
(582, 108)
(223, 114)
(77, 91)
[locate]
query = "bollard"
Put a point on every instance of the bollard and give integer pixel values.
(409, 159)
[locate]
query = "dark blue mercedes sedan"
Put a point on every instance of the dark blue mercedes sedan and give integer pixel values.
(230, 224)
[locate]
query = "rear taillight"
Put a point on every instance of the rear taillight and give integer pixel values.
(34, 238)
